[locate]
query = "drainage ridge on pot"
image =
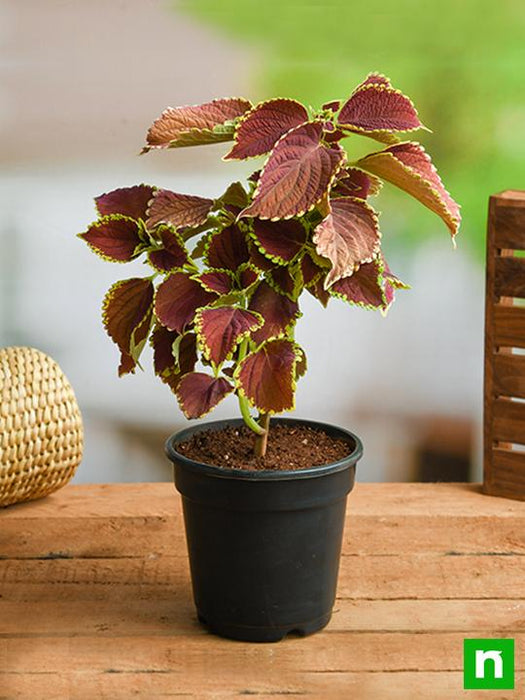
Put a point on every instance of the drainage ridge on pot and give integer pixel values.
(264, 546)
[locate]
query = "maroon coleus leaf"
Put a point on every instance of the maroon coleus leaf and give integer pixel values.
(235, 197)
(128, 201)
(162, 341)
(221, 329)
(195, 125)
(287, 281)
(178, 209)
(169, 365)
(278, 311)
(198, 393)
(218, 281)
(178, 299)
(259, 129)
(353, 182)
(409, 167)
(266, 377)
(301, 366)
(227, 249)
(280, 241)
(348, 237)
(332, 106)
(126, 314)
(297, 174)
(375, 78)
(317, 290)
(115, 238)
(173, 253)
(246, 276)
(310, 270)
(364, 288)
(258, 260)
(375, 108)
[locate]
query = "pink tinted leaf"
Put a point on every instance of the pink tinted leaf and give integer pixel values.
(391, 283)
(364, 288)
(128, 201)
(260, 128)
(410, 168)
(127, 307)
(376, 107)
(198, 393)
(178, 299)
(195, 125)
(220, 329)
(173, 253)
(297, 174)
(278, 312)
(115, 238)
(353, 182)
(281, 241)
(266, 377)
(348, 237)
(227, 249)
(218, 281)
(178, 209)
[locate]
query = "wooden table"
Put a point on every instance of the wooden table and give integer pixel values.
(95, 600)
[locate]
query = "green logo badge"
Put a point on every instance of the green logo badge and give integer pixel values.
(488, 663)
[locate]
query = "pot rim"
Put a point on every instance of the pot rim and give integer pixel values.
(264, 474)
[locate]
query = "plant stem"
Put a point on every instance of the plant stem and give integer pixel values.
(243, 401)
(261, 441)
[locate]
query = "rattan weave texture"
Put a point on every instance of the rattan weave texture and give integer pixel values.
(41, 432)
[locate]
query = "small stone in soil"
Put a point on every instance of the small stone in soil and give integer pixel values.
(289, 448)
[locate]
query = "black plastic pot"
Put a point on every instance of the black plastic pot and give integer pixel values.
(264, 546)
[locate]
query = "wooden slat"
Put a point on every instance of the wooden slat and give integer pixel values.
(334, 685)
(509, 421)
(509, 326)
(83, 522)
(509, 468)
(509, 278)
(509, 375)
(130, 616)
(402, 576)
(509, 220)
(337, 651)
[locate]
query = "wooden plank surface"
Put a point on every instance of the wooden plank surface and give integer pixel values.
(509, 326)
(509, 375)
(95, 600)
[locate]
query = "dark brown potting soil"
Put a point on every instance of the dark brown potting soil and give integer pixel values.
(289, 447)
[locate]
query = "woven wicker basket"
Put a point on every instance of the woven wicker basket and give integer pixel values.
(41, 434)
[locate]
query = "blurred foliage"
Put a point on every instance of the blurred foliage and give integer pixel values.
(461, 61)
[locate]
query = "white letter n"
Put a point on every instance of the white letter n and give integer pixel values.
(482, 656)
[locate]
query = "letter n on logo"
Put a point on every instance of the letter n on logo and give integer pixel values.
(488, 663)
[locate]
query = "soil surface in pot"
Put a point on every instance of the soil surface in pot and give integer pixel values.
(289, 447)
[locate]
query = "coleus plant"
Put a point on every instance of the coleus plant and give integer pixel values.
(228, 272)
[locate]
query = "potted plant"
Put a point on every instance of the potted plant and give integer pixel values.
(263, 503)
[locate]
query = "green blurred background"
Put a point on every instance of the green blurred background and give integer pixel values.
(461, 61)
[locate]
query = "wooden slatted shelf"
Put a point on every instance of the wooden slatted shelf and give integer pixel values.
(504, 410)
(95, 600)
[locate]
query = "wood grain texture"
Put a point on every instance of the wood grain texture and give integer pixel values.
(95, 600)
(509, 375)
(504, 372)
